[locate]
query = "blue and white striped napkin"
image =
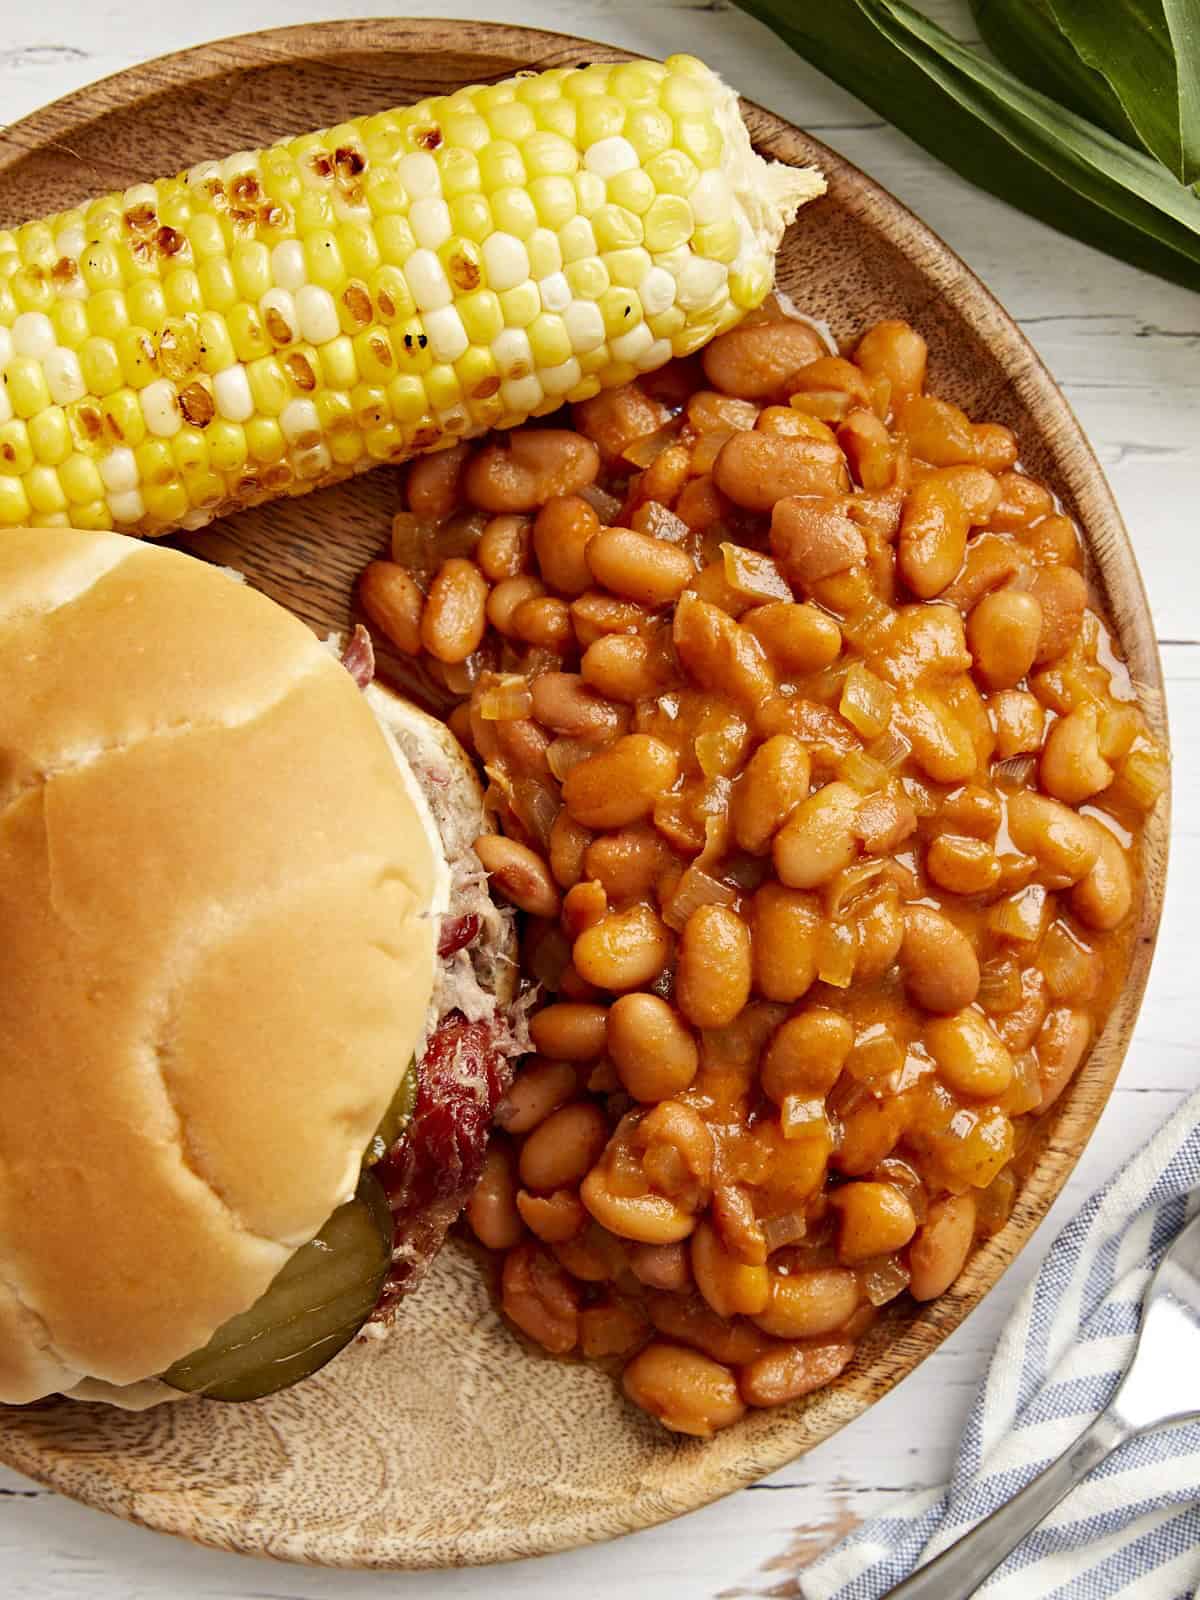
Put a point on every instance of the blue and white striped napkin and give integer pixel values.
(1131, 1528)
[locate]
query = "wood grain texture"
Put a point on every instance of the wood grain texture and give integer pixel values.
(451, 1444)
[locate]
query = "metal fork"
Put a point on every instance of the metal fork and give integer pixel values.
(1149, 1396)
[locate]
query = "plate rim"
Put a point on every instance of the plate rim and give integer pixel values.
(1073, 1121)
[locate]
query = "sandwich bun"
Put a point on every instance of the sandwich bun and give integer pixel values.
(218, 895)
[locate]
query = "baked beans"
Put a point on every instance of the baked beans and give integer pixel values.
(821, 785)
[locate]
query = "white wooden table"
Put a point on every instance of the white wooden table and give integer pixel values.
(1126, 349)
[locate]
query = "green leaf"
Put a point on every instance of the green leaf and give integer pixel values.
(1147, 51)
(1007, 138)
(1025, 37)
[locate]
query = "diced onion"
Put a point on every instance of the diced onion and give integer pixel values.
(459, 534)
(1017, 770)
(849, 883)
(801, 1116)
(1025, 1090)
(884, 1278)
(707, 448)
(1143, 777)
(790, 1228)
(891, 749)
(753, 574)
(875, 1056)
(837, 952)
(695, 889)
(641, 452)
(866, 701)
(549, 959)
(506, 700)
(656, 519)
(563, 754)
(1020, 916)
(1000, 985)
(606, 506)
(1068, 965)
(996, 1201)
(535, 805)
(414, 545)
(862, 772)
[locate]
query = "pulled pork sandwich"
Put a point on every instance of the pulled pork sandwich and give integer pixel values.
(255, 1000)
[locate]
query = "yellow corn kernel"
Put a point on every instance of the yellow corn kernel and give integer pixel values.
(44, 489)
(673, 172)
(123, 420)
(554, 200)
(616, 228)
(590, 192)
(477, 374)
(633, 190)
(155, 461)
(459, 170)
(334, 412)
(513, 211)
(632, 82)
(666, 324)
(520, 305)
(668, 223)
(514, 121)
(246, 333)
(216, 347)
(324, 257)
(14, 502)
(314, 213)
(8, 303)
(549, 155)
(627, 268)
(251, 264)
(360, 252)
(549, 340)
(346, 447)
(471, 216)
(147, 303)
(70, 321)
(203, 487)
(165, 502)
(182, 291)
(226, 444)
(396, 242)
(481, 315)
(588, 278)
(544, 251)
(303, 366)
(390, 294)
(35, 241)
(217, 284)
(410, 347)
(268, 386)
(339, 369)
(95, 516)
(699, 137)
(50, 436)
(442, 386)
(649, 130)
(584, 390)
(466, 130)
(500, 166)
(594, 361)
(264, 439)
(107, 312)
(80, 478)
(718, 241)
(190, 449)
(26, 385)
(100, 266)
(385, 442)
(16, 451)
(576, 240)
(406, 398)
(136, 353)
(32, 290)
(750, 286)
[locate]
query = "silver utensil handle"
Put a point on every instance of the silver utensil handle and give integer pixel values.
(958, 1571)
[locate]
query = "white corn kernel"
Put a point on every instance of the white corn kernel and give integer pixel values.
(505, 260)
(33, 334)
(238, 164)
(555, 292)
(300, 423)
(711, 199)
(140, 194)
(6, 409)
(119, 470)
(201, 171)
(427, 281)
(513, 353)
(64, 376)
(6, 347)
(347, 211)
(608, 157)
(585, 325)
(656, 291)
(71, 241)
(429, 220)
(629, 346)
(128, 506)
(316, 314)
(419, 174)
(699, 282)
(522, 394)
(447, 337)
(161, 409)
(288, 266)
(557, 380)
(231, 391)
(658, 354)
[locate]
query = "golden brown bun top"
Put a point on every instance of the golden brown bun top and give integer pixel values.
(217, 957)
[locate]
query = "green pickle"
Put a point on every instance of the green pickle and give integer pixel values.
(313, 1308)
(396, 1118)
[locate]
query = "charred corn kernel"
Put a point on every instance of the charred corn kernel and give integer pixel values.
(282, 317)
(50, 436)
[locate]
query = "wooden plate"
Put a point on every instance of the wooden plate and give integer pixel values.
(453, 1443)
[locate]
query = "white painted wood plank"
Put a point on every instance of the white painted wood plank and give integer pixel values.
(1124, 346)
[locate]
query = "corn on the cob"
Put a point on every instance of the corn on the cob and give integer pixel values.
(276, 321)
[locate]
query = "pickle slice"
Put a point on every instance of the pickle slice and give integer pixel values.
(396, 1118)
(313, 1308)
